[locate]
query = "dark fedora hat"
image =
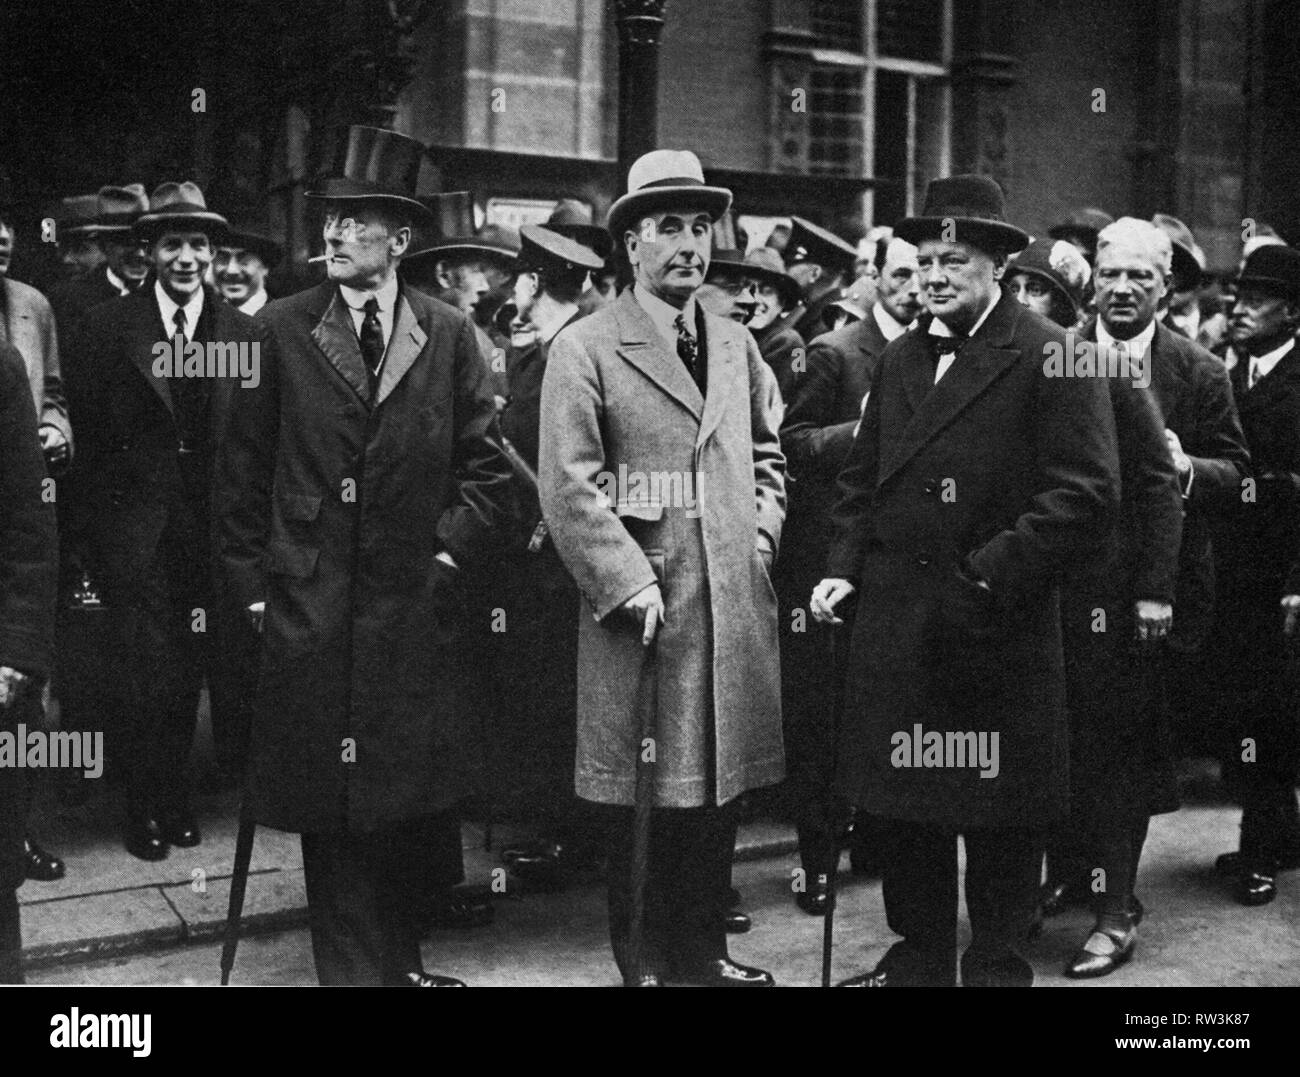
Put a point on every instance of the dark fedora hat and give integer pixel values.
(1275, 268)
(574, 219)
(1059, 264)
(766, 267)
(79, 215)
(726, 261)
(372, 164)
(810, 242)
(663, 179)
(964, 209)
(120, 207)
(255, 238)
(179, 207)
(1085, 222)
(542, 250)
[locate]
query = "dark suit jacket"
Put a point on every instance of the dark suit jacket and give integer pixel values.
(782, 348)
(127, 482)
(331, 506)
(73, 299)
(1196, 401)
(998, 472)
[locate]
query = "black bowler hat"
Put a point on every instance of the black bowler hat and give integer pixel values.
(541, 250)
(1275, 268)
(374, 165)
(964, 209)
(1085, 222)
(255, 238)
(574, 219)
(810, 242)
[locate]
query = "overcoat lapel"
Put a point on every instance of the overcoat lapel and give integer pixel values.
(1276, 383)
(403, 349)
(723, 362)
(338, 342)
(147, 329)
(981, 361)
(642, 346)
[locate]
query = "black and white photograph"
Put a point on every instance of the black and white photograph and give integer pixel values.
(651, 493)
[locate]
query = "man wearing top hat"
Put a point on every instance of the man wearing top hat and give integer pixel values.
(822, 263)
(356, 483)
(662, 486)
(148, 429)
(1257, 556)
(973, 484)
(241, 267)
(126, 262)
(538, 651)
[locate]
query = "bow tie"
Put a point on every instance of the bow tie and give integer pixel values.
(947, 345)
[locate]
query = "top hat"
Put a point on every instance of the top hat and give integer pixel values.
(1059, 264)
(662, 179)
(452, 214)
(809, 242)
(1085, 222)
(1188, 259)
(765, 266)
(541, 249)
(574, 219)
(964, 209)
(179, 207)
(1274, 268)
(374, 165)
(255, 238)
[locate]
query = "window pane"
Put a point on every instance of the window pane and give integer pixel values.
(838, 24)
(910, 29)
(835, 122)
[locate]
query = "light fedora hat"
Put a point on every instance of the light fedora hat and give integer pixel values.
(664, 178)
(179, 206)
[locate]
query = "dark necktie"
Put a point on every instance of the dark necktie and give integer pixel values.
(178, 319)
(372, 341)
(688, 348)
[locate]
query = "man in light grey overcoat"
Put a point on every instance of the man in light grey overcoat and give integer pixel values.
(662, 483)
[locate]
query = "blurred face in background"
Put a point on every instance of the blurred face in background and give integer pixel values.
(767, 309)
(728, 295)
(1260, 321)
(462, 284)
(239, 274)
(80, 255)
(899, 288)
(127, 256)
(1032, 291)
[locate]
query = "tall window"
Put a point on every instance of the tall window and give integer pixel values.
(880, 102)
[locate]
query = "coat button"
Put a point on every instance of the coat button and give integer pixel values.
(931, 486)
(923, 560)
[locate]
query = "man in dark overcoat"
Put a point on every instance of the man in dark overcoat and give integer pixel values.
(975, 480)
(357, 481)
(1257, 556)
(150, 413)
(28, 572)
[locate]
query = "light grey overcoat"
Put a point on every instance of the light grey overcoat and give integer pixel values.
(642, 480)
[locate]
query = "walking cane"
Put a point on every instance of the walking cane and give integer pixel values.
(648, 702)
(839, 637)
(238, 885)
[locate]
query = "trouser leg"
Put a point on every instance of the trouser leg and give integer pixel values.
(1002, 872)
(919, 886)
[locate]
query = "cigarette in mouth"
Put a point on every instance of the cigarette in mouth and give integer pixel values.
(319, 258)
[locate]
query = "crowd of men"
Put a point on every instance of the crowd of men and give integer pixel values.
(950, 532)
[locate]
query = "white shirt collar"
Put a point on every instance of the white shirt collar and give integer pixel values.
(939, 328)
(255, 302)
(168, 307)
(116, 281)
(1136, 346)
(561, 315)
(386, 296)
(1262, 364)
(664, 315)
(890, 326)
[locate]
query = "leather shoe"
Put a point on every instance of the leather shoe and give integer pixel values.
(736, 922)
(1102, 954)
(1256, 885)
(457, 909)
(428, 979)
(144, 838)
(817, 898)
(875, 978)
(648, 979)
(1056, 898)
(179, 828)
(40, 866)
(723, 972)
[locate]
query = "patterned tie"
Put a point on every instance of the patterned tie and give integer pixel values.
(688, 348)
